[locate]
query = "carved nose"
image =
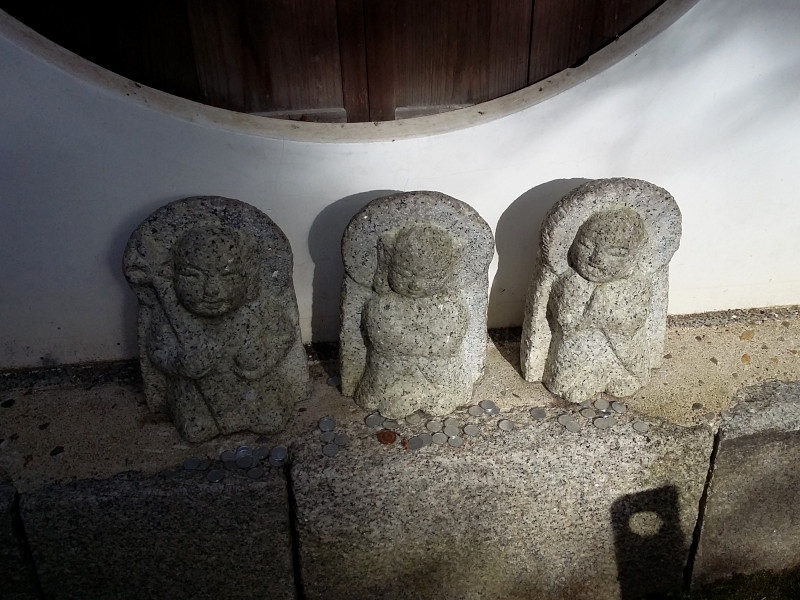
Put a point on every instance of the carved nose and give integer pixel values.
(414, 286)
(212, 287)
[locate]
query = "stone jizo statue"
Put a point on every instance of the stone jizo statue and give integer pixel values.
(218, 329)
(595, 316)
(414, 304)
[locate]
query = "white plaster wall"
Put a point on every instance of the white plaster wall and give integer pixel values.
(709, 109)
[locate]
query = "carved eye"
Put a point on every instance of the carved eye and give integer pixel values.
(191, 273)
(619, 251)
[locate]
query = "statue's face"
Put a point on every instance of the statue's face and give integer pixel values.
(210, 279)
(606, 247)
(422, 262)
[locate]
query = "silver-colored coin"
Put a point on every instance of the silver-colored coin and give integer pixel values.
(487, 405)
(229, 465)
(611, 421)
(455, 441)
(341, 440)
(414, 418)
(426, 438)
(191, 464)
(641, 426)
(572, 426)
(261, 453)
(586, 404)
(256, 473)
(471, 430)
(227, 455)
(564, 419)
(450, 421)
(538, 413)
(245, 462)
(601, 403)
(334, 381)
(326, 437)
(433, 426)
(601, 423)
(374, 420)
(618, 407)
(391, 424)
(506, 425)
(215, 475)
(244, 451)
(476, 411)
(330, 450)
(416, 443)
(439, 438)
(451, 430)
(277, 456)
(326, 424)
(204, 465)
(495, 410)
(589, 413)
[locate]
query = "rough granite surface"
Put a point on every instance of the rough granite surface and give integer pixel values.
(751, 519)
(537, 512)
(414, 302)
(596, 311)
(219, 335)
(173, 535)
(17, 578)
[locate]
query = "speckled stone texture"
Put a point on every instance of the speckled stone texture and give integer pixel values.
(534, 513)
(414, 303)
(17, 577)
(173, 535)
(751, 519)
(596, 311)
(219, 336)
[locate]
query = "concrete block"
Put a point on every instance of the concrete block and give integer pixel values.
(751, 518)
(537, 512)
(171, 535)
(17, 578)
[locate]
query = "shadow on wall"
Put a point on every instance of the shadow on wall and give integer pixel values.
(650, 547)
(325, 247)
(517, 243)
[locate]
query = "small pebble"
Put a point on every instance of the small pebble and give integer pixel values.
(387, 436)
(326, 424)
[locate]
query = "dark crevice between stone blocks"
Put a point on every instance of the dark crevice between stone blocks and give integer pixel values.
(25, 549)
(295, 533)
(701, 511)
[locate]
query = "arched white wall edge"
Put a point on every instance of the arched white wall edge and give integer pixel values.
(708, 108)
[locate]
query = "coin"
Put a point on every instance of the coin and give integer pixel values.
(487, 405)
(256, 473)
(414, 418)
(243, 451)
(619, 407)
(326, 424)
(476, 411)
(341, 439)
(439, 438)
(374, 420)
(455, 441)
(586, 404)
(215, 475)
(450, 421)
(433, 426)
(191, 464)
(538, 413)
(229, 465)
(326, 437)
(471, 430)
(506, 425)
(330, 450)
(601, 423)
(415, 443)
(277, 456)
(245, 461)
(451, 431)
(426, 438)
(261, 453)
(589, 413)
(387, 436)
(204, 465)
(641, 426)
(227, 455)
(391, 424)
(564, 419)
(601, 403)
(572, 426)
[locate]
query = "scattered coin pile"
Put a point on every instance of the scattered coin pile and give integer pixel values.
(243, 459)
(600, 413)
(331, 441)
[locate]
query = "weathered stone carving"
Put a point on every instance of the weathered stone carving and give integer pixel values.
(219, 336)
(414, 304)
(596, 311)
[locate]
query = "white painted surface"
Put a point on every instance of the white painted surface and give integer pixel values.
(708, 109)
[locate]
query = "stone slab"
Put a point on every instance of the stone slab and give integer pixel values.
(751, 521)
(173, 535)
(537, 512)
(17, 581)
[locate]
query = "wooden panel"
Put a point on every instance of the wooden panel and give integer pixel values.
(566, 32)
(265, 56)
(423, 53)
(353, 57)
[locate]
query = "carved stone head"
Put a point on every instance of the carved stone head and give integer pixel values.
(422, 261)
(607, 245)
